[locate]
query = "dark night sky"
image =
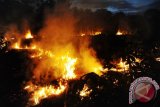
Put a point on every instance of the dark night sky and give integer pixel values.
(127, 6)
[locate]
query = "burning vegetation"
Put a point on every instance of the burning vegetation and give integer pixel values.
(84, 57)
(60, 58)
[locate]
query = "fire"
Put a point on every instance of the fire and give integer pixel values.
(28, 35)
(67, 62)
(59, 58)
(70, 67)
(138, 60)
(83, 34)
(89, 62)
(64, 63)
(121, 66)
(16, 45)
(97, 33)
(85, 91)
(59, 62)
(119, 33)
(122, 32)
(39, 93)
(40, 52)
(91, 33)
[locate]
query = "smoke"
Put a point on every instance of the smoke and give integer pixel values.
(58, 28)
(59, 35)
(100, 4)
(70, 53)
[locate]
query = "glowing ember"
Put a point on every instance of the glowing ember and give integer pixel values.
(85, 91)
(28, 35)
(116, 82)
(39, 93)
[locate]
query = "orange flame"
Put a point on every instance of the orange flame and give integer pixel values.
(59, 57)
(16, 45)
(70, 67)
(85, 91)
(63, 61)
(121, 66)
(91, 33)
(28, 35)
(97, 33)
(122, 32)
(41, 92)
(119, 33)
(138, 60)
(89, 62)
